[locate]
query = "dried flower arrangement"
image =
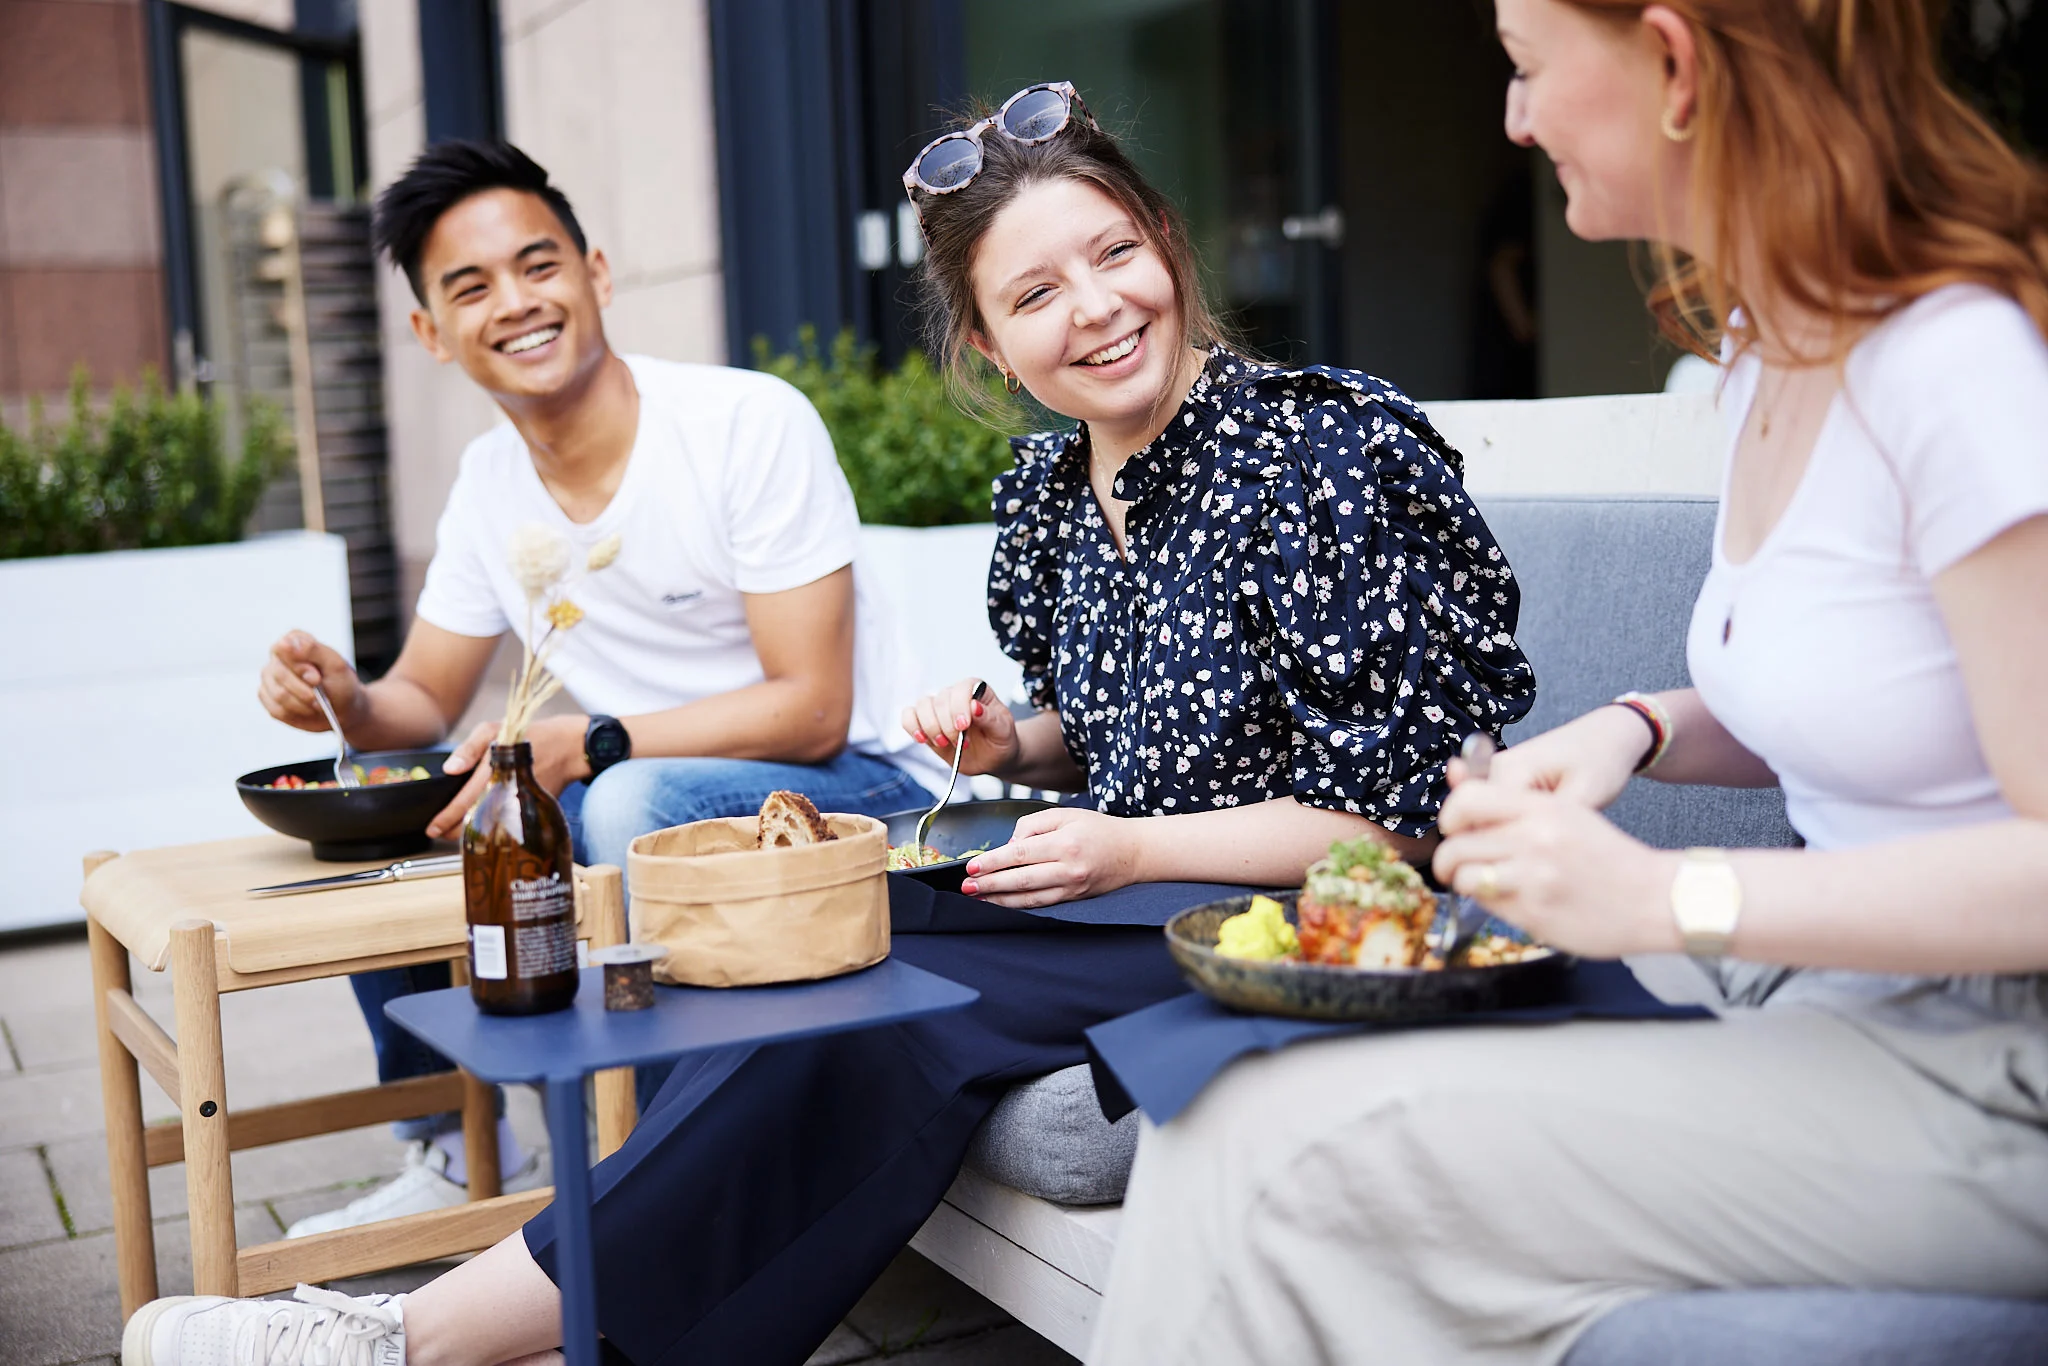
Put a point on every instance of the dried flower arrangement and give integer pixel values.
(540, 563)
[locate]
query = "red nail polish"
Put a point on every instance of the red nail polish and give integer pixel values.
(921, 740)
(974, 870)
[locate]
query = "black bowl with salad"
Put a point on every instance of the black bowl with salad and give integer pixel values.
(957, 833)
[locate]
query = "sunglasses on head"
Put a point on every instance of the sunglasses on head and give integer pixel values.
(1033, 115)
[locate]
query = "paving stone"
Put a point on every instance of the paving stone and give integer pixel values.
(843, 1346)
(59, 1302)
(80, 1166)
(46, 974)
(253, 1224)
(913, 1302)
(284, 1169)
(54, 1036)
(41, 1107)
(28, 1212)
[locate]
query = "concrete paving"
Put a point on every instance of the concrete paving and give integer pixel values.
(59, 1301)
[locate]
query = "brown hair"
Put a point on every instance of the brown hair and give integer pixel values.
(1829, 146)
(954, 224)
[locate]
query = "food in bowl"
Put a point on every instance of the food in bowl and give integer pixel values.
(906, 856)
(378, 776)
(1364, 907)
(1360, 907)
(1261, 931)
(913, 856)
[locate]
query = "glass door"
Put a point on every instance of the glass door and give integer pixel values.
(1220, 102)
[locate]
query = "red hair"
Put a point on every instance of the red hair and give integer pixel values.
(1830, 149)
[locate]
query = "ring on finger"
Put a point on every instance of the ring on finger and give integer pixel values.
(1487, 886)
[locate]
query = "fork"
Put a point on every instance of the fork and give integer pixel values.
(1456, 928)
(344, 771)
(959, 748)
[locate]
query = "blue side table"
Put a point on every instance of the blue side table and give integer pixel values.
(560, 1049)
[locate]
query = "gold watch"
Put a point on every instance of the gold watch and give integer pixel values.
(1706, 901)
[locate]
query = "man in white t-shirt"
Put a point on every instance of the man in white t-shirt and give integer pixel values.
(724, 654)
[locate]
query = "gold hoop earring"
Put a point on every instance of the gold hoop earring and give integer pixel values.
(1669, 124)
(1011, 383)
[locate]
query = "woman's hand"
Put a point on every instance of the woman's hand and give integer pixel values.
(1058, 855)
(991, 730)
(1587, 761)
(1548, 863)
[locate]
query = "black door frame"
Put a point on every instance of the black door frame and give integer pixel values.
(167, 23)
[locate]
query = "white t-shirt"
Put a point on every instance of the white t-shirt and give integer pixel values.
(731, 488)
(1837, 669)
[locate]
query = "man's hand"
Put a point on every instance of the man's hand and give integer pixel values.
(557, 761)
(1054, 856)
(297, 663)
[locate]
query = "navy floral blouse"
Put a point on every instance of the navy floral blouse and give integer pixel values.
(1310, 605)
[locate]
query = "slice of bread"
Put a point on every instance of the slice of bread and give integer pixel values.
(788, 818)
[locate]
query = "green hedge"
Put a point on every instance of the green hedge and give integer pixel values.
(913, 458)
(150, 469)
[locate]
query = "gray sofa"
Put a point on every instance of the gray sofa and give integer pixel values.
(1607, 589)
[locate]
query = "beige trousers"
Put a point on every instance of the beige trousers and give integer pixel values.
(1482, 1195)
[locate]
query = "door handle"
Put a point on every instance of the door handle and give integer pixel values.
(1326, 227)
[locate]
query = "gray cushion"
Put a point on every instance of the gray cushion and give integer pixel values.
(1816, 1328)
(1607, 592)
(1048, 1138)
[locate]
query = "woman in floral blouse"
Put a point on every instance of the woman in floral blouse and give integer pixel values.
(1257, 613)
(1255, 609)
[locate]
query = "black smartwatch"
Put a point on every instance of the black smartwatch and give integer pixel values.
(605, 743)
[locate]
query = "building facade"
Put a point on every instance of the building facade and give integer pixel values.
(1341, 164)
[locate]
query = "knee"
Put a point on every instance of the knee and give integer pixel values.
(628, 800)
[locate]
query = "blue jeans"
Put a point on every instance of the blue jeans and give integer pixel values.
(609, 813)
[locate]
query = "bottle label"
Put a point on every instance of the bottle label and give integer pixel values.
(542, 898)
(545, 949)
(487, 952)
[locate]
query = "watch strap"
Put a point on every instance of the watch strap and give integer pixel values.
(1706, 902)
(610, 727)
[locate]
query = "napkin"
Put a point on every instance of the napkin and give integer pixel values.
(1158, 1059)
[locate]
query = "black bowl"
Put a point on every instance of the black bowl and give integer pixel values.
(1323, 991)
(955, 830)
(347, 825)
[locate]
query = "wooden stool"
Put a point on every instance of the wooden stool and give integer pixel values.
(188, 908)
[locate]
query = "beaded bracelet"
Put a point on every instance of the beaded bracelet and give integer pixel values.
(1656, 718)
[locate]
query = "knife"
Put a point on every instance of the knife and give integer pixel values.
(405, 870)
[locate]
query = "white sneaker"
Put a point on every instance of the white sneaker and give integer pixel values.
(314, 1328)
(422, 1185)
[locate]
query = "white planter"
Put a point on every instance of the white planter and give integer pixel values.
(128, 699)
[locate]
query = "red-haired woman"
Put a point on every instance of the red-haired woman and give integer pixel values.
(1872, 1109)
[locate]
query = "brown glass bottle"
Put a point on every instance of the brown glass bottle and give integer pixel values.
(519, 889)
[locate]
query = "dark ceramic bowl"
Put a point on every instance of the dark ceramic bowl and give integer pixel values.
(1320, 991)
(955, 830)
(350, 825)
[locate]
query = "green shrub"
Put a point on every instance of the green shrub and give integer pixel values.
(912, 457)
(149, 470)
